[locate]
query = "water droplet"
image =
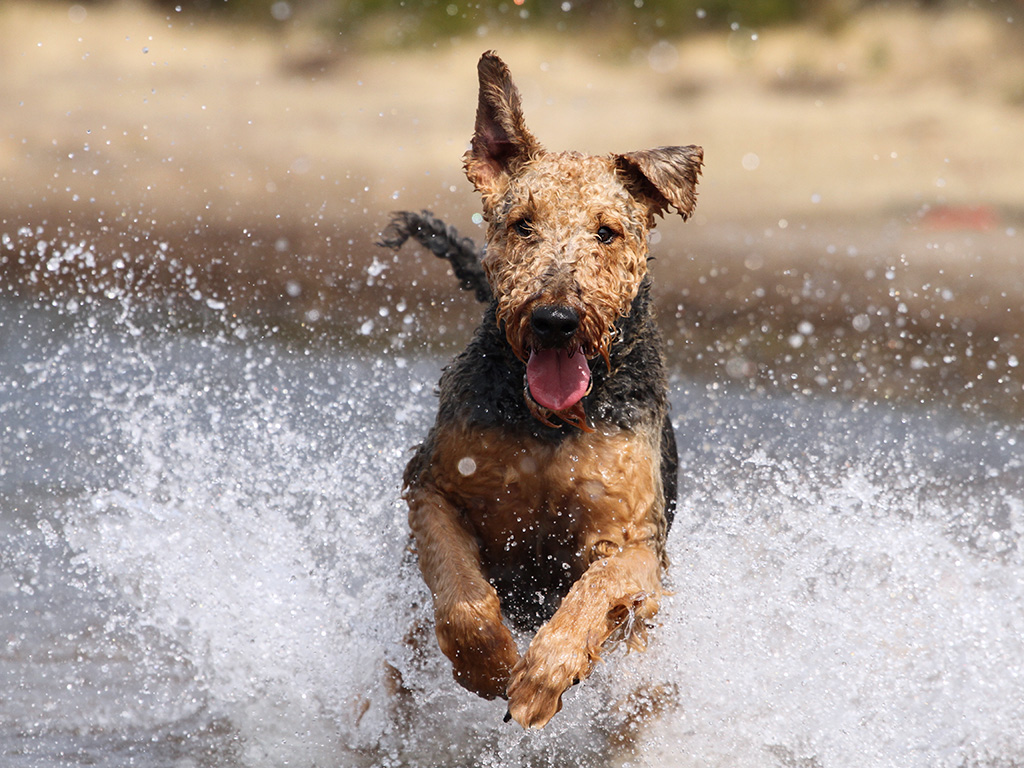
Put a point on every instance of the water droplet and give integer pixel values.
(663, 57)
(281, 11)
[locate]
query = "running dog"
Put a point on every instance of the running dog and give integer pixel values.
(544, 492)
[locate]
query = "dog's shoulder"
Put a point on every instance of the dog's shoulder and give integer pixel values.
(634, 391)
(483, 385)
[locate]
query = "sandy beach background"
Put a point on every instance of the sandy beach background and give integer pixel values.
(860, 225)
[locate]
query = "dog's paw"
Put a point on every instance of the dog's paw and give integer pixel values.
(482, 652)
(540, 678)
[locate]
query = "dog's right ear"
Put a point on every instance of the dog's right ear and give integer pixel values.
(501, 142)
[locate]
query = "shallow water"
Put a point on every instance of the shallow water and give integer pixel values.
(202, 566)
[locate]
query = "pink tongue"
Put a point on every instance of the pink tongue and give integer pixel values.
(556, 380)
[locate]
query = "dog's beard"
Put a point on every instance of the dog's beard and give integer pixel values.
(557, 378)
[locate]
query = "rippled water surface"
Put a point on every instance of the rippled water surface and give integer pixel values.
(201, 565)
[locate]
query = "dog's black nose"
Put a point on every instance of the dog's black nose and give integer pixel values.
(554, 324)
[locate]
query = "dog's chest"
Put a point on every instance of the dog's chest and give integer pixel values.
(570, 501)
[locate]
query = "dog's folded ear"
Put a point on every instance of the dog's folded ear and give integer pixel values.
(501, 141)
(663, 177)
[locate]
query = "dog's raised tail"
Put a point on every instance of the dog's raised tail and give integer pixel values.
(444, 242)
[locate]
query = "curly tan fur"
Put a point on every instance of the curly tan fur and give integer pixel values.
(546, 518)
(566, 198)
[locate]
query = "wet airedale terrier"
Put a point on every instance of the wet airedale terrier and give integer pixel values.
(545, 490)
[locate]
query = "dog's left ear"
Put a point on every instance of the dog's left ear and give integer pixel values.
(663, 177)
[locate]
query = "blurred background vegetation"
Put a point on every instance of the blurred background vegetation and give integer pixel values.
(420, 22)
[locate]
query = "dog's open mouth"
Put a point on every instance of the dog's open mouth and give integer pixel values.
(557, 379)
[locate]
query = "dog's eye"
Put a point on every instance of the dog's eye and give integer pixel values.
(606, 235)
(522, 227)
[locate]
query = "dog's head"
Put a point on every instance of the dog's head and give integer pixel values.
(567, 237)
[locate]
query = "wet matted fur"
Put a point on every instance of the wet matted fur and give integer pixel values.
(544, 492)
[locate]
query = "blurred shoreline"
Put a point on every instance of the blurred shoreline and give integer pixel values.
(859, 229)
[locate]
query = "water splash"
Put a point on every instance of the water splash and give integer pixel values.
(825, 618)
(208, 527)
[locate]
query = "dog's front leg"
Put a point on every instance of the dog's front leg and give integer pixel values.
(467, 613)
(616, 592)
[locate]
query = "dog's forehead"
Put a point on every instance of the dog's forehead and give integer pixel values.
(568, 181)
